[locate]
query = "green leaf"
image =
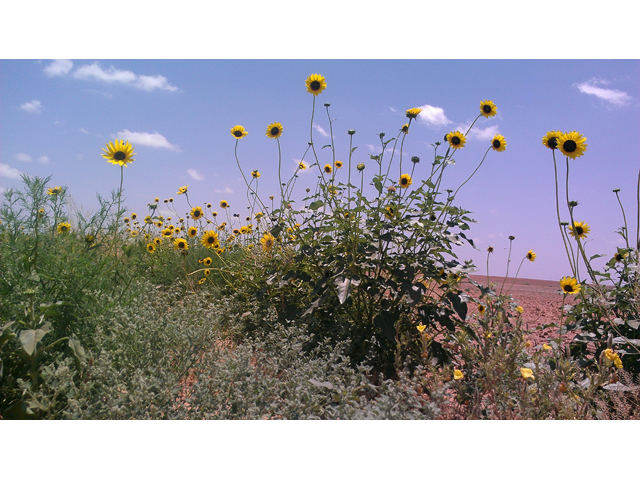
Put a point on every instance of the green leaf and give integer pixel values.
(378, 184)
(316, 205)
(315, 382)
(30, 338)
(325, 146)
(78, 349)
(353, 149)
(386, 322)
(459, 305)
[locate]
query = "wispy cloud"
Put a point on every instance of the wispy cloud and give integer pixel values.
(194, 174)
(124, 77)
(477, 133)
(9, 172)
(614, 97)
(433, 115)
(226, 190)
(23, 157)
(84, 131)
(58, 67)
(43, 159)
(320, 130)
(148, 139)
(33, 106)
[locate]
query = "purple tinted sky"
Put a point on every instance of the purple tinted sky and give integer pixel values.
(56, 117)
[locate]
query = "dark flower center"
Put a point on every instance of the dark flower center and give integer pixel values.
(553, 142)
(579, 230)
(119, 156)
(570, 146)
(496, 144)
(275, 131)
(211, 240)
(455, 140)
(315, 85)
(568, 288)
(618, 257)
(238, 133)
(486, 108)
(404, 181)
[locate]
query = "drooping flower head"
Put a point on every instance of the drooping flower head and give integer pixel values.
(488, 108)
(498, 143)
(572, 144)
(458, 375)
(238, 131)
(413, 112)
(182, 190)
(531, 256)
(405, 128)
(119, 152)
(569, 285)
(315, 84)
(579, 229)
(456, 139)
(405, 180)
(274, 130)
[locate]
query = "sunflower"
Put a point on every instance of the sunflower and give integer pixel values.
(527, 373)
(167, 232)
(236, 231)
(613, 356)
(182, 190)
(498, 143)
(238, 131)
(581, 229)
(481, 309)
(360, 167)
(531, 256)
(457, 374)
(405, 128)
(519, 309)
(192, 232)
(207, 261)
(488, 108)
(390, 211)
(267, 242)
(405, 180)
(255, 174)
(119, 152)
(274, 130)
(244, 230)
(413, 112)
(569, 285)
(220, 250)
(180, 244)
(151, 247)
(210, 239)
(490, 249)
(202, 280)
(572, 144)
(315, 84)
(302, 166)
(134, 233)
(157, 241)
(550, 140)
(328, 168)
(338, 164)
(456, 139)
(207, 272)
(224, 204)
(54, 191)
(64, 227)
(618, 257)
(196, 213)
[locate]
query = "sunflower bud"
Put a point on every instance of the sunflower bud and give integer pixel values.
(616, 190)
(573, 203)
(351, 132)
(415, 159)
(360, 167)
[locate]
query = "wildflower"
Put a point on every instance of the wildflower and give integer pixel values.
(224, 204)
(134, 216)
(171, 200)
(527, 373)
(219, 250)
(616, 190)
(405, 180)
(267, 241)
(550, 140)
(390, 211)
(546, 346)
(238, 131)
(210, 239)
(511, 237)
(415, 159)
(405, 128)
(119, 152)
(458, 375)
(196, 213)
(488, 108)
(236, 231)
(315, 84)
(156, 200)
(413, 112)
(620, 257)
(328, 168)
(580, 229)
(182, 190)
(157, 241)
(569, 285)
(192, 232)
(338, 164)
(151, 247)
(134, 233)
(519, 309)
(490, 249)
(54, 191)
(207, 261)
(421, 328)
(64, 227)
(498, 143)
(456, 139)
(360, 167)
(274, 130)
(572, 144)
(255, 174)
(351, 132)
(531, 256)
(302, 166)
(244, 230)
(180, 244)
(613, 356)
(202, 280)
(481, 309)
(207, 272)
(391, 189)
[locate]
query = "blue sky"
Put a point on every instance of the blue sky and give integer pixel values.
(57, 115)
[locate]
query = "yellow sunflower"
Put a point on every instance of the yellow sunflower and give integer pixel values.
(302, 166)
(531, 255)
(238, 131)
(274, 130)
(458, 375)
(180, 244)
(338, 164)
(157, 241)
(618, 257)
(315, 84)
(569, 285)
(207, 272)
(550, 140)
(413, 112)
(488, 108)
(210, 239)
(202, 280)
(192, 232)
(481, 309)
(54, 191)
(151, 247)
(119, 152)
(224, 204)
(405, 180)
(267, 242)
(64, 227)
(498, 143)
(390, 211)
(207, 261)
(456, 139)
(328, 168)
(405, 128)
(580, 229)
(255, 174)
(572, 144)
(196, 213)
(182, 190)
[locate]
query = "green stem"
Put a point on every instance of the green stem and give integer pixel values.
(624, 217)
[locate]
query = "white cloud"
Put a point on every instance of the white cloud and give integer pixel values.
(23, 157)
(148, 139)
(9, 172)
(84, 131)
(433, 115)
(479, 133)
(194, 174)
(124, 77)
(320, 130)
(226, 190)
(33, 106)
(392, 109)
(43, 159)
(58, 67)
(615, 97)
